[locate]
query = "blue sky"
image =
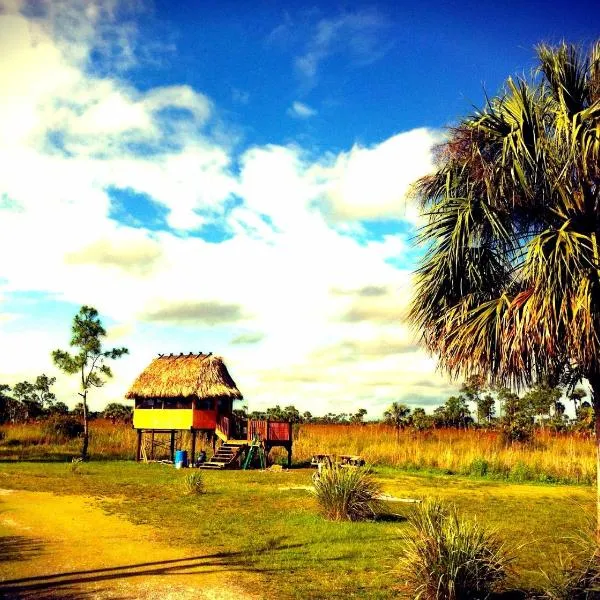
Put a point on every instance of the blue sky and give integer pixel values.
(235, 178)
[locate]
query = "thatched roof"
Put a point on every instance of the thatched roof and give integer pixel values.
(185, 376)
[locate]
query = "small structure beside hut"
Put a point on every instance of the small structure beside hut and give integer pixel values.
(195, 393)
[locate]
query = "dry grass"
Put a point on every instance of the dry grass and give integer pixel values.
(564, 458)
(567, 458)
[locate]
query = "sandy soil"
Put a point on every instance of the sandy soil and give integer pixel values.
(66, 547)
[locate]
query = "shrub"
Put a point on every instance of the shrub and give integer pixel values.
(447, 557)
(578, 576)
(347, 493)
(63, 428)
(194, 483)
(479, 467)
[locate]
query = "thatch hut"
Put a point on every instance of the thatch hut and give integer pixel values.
(183, 391)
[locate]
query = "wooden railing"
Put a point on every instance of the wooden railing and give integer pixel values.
(270, 431)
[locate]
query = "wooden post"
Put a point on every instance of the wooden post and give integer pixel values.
(214, 442)
(152, 445)
(289, 451)
(138, 449)
(193, 457)
(172, 448)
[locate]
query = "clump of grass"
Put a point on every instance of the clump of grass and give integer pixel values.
(578, 575)
(347, 493)
(193, 484)
(448, 557)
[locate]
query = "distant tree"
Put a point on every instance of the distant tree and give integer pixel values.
(118, 413)
(58, 408)
(457, 412)
(472, 390)
(242, 412)
(358, 416)
(584, 418)
(89, 360)
(486, 408)
(291, 414)
(576, 396)
(258, 415)
(6, 404)
(307, 417)
(541, 399)
(397, 416)
(420, 420)
(36, 397)
(275, 413)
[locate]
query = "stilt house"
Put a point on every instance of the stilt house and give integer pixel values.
(195, 393)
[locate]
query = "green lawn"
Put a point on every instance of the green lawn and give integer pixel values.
(280, 534)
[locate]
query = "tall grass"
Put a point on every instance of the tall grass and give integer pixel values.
(448, 557)
(347, 493)
(562, 458)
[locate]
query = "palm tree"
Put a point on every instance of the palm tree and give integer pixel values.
(396, 416)
(510, 284)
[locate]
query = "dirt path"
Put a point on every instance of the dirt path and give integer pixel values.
(65, 547)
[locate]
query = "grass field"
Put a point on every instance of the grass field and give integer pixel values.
(273, 524)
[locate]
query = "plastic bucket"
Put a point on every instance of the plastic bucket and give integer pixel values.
(181, 459)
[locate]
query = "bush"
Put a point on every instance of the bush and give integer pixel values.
(578, 576)
(447, 557)
(63, 428)
(347, 493)
(194, 484)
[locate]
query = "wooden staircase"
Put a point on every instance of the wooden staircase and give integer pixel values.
(226, 456)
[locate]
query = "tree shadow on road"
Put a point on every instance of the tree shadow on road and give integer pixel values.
(66, 585)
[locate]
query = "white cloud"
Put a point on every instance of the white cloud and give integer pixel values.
(374, 183)
(300, 110)
(357, 36)
(68, 137)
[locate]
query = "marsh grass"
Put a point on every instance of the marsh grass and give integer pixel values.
(449, 557)
(551, 458)
(193, 484)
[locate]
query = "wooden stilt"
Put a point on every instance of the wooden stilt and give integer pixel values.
(289, 451)
(138, 448)
(152, 445)
(214, 442)
(193, 456)
(172, 448)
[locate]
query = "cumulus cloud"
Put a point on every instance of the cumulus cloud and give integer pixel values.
(291, 273)
(375, 183)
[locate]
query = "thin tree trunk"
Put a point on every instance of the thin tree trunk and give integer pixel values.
(86, 435)
(595, 385)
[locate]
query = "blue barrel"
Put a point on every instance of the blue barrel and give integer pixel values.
(181, 459)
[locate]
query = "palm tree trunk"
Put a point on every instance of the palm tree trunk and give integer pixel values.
(595, 385)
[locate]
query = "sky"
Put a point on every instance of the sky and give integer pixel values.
(235, 178)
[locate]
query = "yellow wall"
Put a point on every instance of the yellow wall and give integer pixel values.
(156, 418)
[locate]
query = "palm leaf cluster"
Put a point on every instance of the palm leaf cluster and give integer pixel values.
(510, 283)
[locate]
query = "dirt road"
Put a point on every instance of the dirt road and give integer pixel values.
(66, 547)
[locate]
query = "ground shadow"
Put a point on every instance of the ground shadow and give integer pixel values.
(389, 518)
(19, 547)
(57, 585)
